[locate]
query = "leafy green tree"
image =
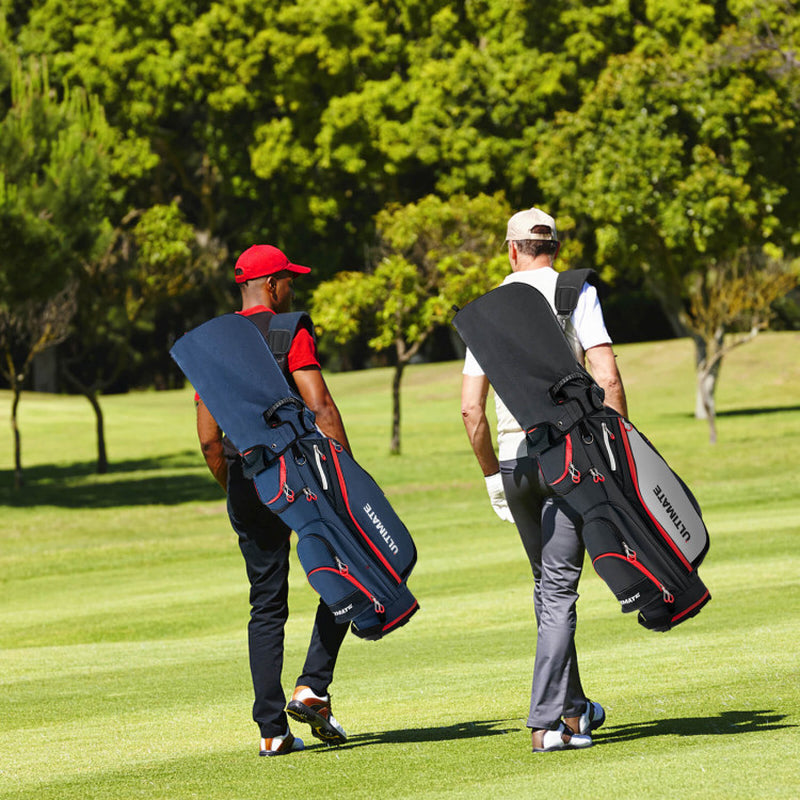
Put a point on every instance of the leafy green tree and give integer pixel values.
(728, 305)
(27, 331)
(152, 257)
(683, 153)
(56, 157)
(432, 255)
(297, 122)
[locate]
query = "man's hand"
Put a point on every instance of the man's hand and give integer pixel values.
(497, 495)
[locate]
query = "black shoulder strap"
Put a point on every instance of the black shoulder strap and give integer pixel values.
(282, 330)
(279, 330)
(568, 290)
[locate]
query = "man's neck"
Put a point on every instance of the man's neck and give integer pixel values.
(528, 263)
(257, 298)
(257, 309)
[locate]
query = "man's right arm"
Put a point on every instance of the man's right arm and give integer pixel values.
(210, 436)
(474, 391)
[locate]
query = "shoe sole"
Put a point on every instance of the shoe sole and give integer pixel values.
(320, 727)
(561, 749)
(295, 746)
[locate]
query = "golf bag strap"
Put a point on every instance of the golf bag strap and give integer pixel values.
(279, 330)
(568, 290)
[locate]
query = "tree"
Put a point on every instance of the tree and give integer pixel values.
(26, 331)
(728, 305)
(153, 256)
(295, 123)
(432, 255)
(681, 155)
(55, 161)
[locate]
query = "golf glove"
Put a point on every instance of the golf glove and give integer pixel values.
(497, 495)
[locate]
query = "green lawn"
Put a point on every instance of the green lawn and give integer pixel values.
(123, 609)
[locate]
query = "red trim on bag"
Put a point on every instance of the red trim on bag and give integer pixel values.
(646, 572)
(567, 460)
(369, 541)
(281, 481)
(347, 576)
(632, 466)
(692, 607)
(390, 625)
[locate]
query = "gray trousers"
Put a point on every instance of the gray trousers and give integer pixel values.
(550, 533)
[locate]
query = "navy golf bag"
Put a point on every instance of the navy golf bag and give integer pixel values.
(355, 550)
(642, 527)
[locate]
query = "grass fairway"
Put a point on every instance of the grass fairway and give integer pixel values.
(123, 609)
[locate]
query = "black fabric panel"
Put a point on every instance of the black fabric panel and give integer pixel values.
(516, 338)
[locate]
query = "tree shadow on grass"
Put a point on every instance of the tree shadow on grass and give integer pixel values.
(171, 480)
(461, 730)
(751, 412)
(724, 724)
(740, 412)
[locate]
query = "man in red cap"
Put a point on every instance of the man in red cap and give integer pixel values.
(264, 275)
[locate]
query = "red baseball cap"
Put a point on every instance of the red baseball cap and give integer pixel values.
(264, 259)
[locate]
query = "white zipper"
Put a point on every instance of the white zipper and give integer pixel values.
(319, 456)
(607, 436)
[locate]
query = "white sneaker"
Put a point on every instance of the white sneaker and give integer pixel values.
(315, 711)
(281, 745)
(563, 739)
(592, 718)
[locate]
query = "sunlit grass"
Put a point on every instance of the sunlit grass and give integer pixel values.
(123, 606)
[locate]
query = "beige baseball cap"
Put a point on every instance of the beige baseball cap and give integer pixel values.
(521, 226)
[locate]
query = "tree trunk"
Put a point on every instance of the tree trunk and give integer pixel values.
(708, 362)
(398, 376)
(706, 387)
(102, 457)
(705, 353)
(700, 359)
(92, 394)
(17, 441)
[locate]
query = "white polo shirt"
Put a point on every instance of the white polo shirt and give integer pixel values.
(586, 328)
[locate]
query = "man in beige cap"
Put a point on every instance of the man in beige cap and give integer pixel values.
(561, 716)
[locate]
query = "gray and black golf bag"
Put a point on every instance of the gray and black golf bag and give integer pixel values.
(642, 527)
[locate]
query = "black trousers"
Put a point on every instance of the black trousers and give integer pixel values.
(264, 542)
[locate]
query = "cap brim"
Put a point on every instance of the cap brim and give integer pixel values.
(300, 270)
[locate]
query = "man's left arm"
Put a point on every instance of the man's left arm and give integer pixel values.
(603, 366)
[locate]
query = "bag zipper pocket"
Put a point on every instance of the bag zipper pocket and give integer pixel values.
(319, 457)
(389, 569)
(343, 570)
(569, 468)
(608, 437)
(665, 539)
(631, 558)
(283, 490)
